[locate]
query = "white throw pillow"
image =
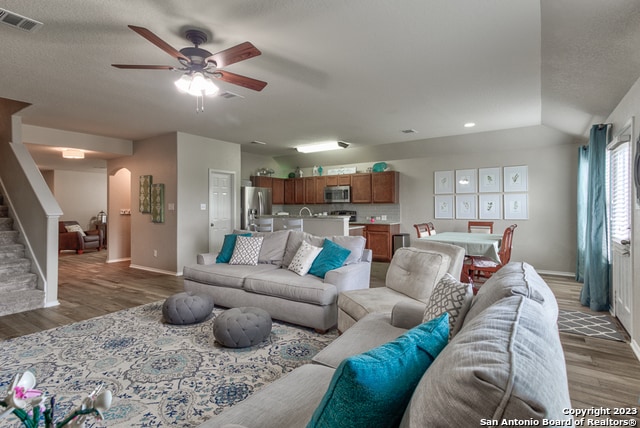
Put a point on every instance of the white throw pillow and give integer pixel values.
(449, 295)
(304, 258)
(246, 251)
(75, 228)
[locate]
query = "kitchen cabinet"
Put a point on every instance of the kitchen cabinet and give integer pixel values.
(294, 191)
(385, 187)
(360, 188)
(320, 183)
(338, 180)
(277, 191)
(275, 184)
(309, 190)
(380, 240)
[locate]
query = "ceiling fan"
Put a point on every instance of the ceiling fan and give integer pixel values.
(198, 64)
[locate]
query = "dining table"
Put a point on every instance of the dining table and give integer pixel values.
(474, 244)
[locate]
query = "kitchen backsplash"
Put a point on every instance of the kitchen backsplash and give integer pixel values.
(365, 211)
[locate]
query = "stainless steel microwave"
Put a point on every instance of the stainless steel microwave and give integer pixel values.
(334, 194)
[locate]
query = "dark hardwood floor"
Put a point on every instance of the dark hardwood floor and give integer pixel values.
(602, 373)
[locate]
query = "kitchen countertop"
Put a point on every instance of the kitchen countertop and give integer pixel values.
(366, 223)
(321, 217)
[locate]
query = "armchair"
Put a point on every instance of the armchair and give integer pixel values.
(72, 237)
(412, 275)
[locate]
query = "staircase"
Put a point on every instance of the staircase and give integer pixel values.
(18, 291)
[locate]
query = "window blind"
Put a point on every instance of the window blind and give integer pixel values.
(619, 191)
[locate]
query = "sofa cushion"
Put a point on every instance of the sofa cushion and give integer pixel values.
(304, 258)
(355, 244)
(287, 285)
(75, 228)
(358, 303)
(273, 246)
(373, 389)
(247, 250)
(331, 257)
(503, 365)
(415, 272)
(295, 240)
(228, 246)
(223, 274)
(516, 278)
(451, 296)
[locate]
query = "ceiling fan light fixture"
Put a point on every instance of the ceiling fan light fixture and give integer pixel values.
(196, 84)
(72, 154)
(322, 147)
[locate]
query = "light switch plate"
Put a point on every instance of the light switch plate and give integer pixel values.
(203, 207)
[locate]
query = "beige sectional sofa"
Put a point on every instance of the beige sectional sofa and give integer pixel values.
(506, 363)
(304, 300)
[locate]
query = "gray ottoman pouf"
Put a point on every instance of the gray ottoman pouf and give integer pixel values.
(242, 327)
(187, 308)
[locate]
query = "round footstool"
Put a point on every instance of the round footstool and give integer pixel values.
(242, 327)
(187, 308)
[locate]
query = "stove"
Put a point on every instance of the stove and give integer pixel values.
(352, 214)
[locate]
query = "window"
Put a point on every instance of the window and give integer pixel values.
(619, 185)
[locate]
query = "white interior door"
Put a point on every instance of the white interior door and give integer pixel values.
(221, 207)
(619, 201)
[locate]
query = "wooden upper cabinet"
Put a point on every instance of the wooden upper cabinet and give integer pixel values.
(344, 180)
(277, 191)
(298, 192)
(320, 183)
(360, 188)
(289, 192)
(385, 187)
(309, 190)
(331, 180)
(262, 181)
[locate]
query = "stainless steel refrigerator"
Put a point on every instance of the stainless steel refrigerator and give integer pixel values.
(255, 201)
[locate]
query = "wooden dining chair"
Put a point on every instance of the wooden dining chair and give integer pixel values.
(480, 227)
(425, 229)
(477, 266)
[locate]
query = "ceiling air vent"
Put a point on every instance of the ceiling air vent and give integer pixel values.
(229, 94)
(18, 21)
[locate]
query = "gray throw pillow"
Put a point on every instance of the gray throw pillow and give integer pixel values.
(452, 296)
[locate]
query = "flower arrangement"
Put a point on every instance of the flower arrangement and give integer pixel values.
(22, 394)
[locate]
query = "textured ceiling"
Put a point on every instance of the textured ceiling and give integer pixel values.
(360, 70)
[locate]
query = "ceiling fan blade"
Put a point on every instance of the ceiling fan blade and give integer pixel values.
(235, 54)
(159, 42)
(144, 67)
(236, 79)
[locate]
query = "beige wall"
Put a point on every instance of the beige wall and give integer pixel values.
(196, 155)
(546, 240)
(119, 225)
(154, 156)
(81, 195)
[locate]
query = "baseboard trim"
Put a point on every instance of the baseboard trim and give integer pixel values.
(635, 348)
(51, 304)
(556, 273)
(150, 269)
(124, 259)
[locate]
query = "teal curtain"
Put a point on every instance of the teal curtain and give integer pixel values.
(595, 263)
(583, 195)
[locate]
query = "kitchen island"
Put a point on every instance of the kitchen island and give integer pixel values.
(319, 225)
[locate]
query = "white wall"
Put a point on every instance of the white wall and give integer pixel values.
(81, 195)
(630, 107)
(119, 225)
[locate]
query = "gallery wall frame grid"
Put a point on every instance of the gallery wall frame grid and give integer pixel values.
(488, 193)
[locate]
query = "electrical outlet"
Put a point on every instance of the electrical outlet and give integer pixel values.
(155, 253)
(384, 217)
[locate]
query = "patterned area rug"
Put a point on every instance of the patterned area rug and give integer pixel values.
(160, 375)
(587, 324)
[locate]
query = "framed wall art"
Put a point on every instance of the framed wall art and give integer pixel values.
(490, 207)
(157, 203)
(444, 207)
(516, 206)
(145, 193)
(443, 182)
(466, 207)
(489, 180)
(466, 181)
(516, 178)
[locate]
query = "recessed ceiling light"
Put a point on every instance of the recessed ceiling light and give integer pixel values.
(469, 125)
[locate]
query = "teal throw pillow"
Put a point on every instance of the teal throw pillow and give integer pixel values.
(331, 257)
(227, 247)
(373, 389)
